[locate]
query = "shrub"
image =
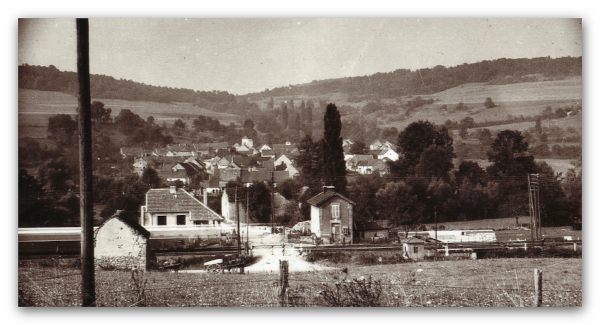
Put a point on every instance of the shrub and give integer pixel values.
(362, 292)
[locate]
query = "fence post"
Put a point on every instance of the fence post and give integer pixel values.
(447, 251)
(525, 247)
(537, 275)
(574, 247)
(283, 282)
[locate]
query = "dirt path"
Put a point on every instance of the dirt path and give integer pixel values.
(269, 261)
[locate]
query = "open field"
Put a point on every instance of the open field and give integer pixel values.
(476, 93)
(501, 283)
(35, 107)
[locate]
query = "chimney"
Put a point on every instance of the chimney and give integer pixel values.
(327, 188)
(173, 190)
(205, 197)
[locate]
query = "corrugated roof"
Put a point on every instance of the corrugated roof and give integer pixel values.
(324, 196)
(162, 200)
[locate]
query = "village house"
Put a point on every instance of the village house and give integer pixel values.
(228, 207)
(122, 244)
(389, 154)
(247, 142)
(353, 163)
(139, 164)
(331, 217)
(175, 207)
(206, 149)
(289, 165)
(376, 145)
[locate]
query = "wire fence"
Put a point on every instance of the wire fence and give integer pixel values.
(166, 289)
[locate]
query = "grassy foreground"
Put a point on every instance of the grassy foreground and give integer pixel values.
(483, 283)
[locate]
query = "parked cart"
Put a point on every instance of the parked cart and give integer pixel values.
(228, 263)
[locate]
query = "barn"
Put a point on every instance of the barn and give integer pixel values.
(121, 244)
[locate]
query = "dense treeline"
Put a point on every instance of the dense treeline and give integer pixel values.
(404, 82)
(51, 79)
(424, 184)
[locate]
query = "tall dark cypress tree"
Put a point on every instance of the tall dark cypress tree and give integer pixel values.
(334, 166)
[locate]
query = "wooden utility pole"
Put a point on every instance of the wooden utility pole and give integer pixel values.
(537, 276)
(272, 202)
(86, 207)
(283, 282)
(247, 221)
(237, 216)
(534, 206)
(436, 226)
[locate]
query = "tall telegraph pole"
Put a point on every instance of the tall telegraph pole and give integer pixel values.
(88, 286)
(272, 202)
(534, 206)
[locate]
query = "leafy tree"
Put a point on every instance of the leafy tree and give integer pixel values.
(398, 203)
(555, 207)
(463, 132)
(248, 124)
(289, 189)
(358, 148)
(62, 127)
(291, 214)
(477, 201)
(151, 178)
(538, 125)
(284, 115)
(179, 125)
(270, 104)
(130, 197)
(55, 175)
(489, 103)
(484, 136)
(509, 155)
(310, 160)
(99, 113)
(560, 112)
(471, 171)
(435, 161)
(128, 121)
(150, 120)
(260, 202)
(363, 192)
(334, 165)
(467, 122)
(413, 140)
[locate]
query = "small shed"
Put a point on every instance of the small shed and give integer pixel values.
(371, 231)
(413, 248)
(120, 243)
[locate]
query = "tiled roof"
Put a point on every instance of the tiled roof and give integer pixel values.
(212, 146)
(324, 196)
(263, 176)
(132, 151)
(162, 200)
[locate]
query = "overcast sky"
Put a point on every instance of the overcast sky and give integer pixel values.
(249, 55)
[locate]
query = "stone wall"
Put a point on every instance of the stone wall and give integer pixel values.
(118, 246)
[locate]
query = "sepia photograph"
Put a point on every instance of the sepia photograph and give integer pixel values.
(300, 162)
